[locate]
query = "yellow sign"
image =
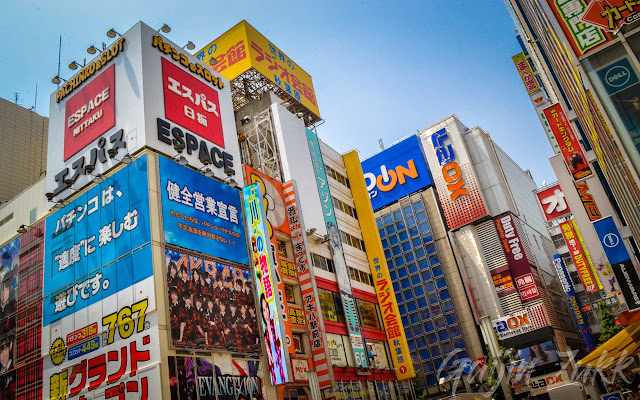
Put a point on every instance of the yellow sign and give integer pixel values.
(525, 72)
(587, 255)
(379, 270)
(243, 47)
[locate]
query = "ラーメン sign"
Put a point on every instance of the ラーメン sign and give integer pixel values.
(396, 172)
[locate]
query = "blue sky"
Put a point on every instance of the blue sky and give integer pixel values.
(381, 70)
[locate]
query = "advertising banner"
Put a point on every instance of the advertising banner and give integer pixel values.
(542, 384)
(574, 305)
(458, 190)
(589, 203)
(243, 47)
(9, 295)
(516, 258)
(211, 303)
(579, 258)
(396, 172)
(611, 14)
(503, 282)
(276, 221)
(624, 270)
(200, 213)
(270, 313)
(313, 314)
(553, 203)
(396, 338)
(571, 151)
(521, 322)
(582, 36)
(587, 256)
(525, 72)
(335, 244)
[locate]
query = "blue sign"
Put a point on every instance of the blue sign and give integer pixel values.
(83, 348)
(618, 76)
(396, 172)
(467, 366)
(612, 396)
(201, 214)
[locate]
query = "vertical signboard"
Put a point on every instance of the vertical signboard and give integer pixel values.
(525, 72)
(553, 203)
(582, 36)
(9, 269)
(335, 243)
(516, 258)
(574, 305)
(579, 258)
(315, 324)
(569, 145)
(503, 281)
(586, 254)
(589, 203)
(100, 330)
(379, 271)
(201, 214)
(624, 270)
(269, 308)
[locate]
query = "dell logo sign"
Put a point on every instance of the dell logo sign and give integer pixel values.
(389, 178)
(610, 240)
(618, 76)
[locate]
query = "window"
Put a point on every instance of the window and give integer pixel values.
(337, 176)
(352, 241)
(344, 207)
(331, 306)
(361, 276)
(575, 278)
(289, 293)
(368, 314)
(558, 240)
(322, 262)
(32, 216)
(297, 343)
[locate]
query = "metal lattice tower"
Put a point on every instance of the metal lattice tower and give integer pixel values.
(259, 148)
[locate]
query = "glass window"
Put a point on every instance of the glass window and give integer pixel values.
(391, 230)
(399, 261)
(393, 239)
(421, 341)
(387, 219)
(420, 253)
(437, 271)
(393, 274)
(405, 320)
(402, 309)
(368, 314)
(412, 345)
(385, 243)
(422, 302)
(403, 235)
(409, 257)
(427, 237)
(331, 306)
(396, 287)
(424, 264)
(402, 272)
(455, 331)
(406, 246)
(382, 233)
(433, 299)
(417, 206)
(414, 318)
(424, 354)
(387, 254)
(413, 231)
(439, 323)
(446, 347)
(421, 216)
(405, 284)
(432, 338)
(415, 280)
(406, 210)
(408, 333)
(431, 287)
(400, 225)
(428, 326)
(436, 352)
(418, 290)
(435, 310)
(411, 306)
(410, 220)
(424, 227)
(447, 306)
(396, 250)
(428, 367)
(440, 283)
(434, 260)
(408, 294)
(431, 380)
(431, 248)
(443, 335)
(379, 222)
(462, 355)
(413, 268)
(397, 215)
(416, 243)
(417, 330)
(458, 343)
(425, 314)
(444, 294)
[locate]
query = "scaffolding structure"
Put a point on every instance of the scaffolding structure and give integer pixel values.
(259, 147)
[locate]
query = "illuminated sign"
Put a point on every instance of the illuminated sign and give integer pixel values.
(503, 281)
(589, 203)
(579, 258)
(521, 322)
(450, 169)
(553, 202)
(541, 384)
(525, 72)
(396, 172)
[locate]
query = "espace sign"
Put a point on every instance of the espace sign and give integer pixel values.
(396, 172)
(142, 91)
(525, 321)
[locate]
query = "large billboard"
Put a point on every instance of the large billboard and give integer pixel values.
(579, 257)
(458, 190)
(100, 329)
(552, 201)
(396, 172)
(623, 268)
(393, 326)
(582, 36)
(516, 257)
(242, 48)
(9, 295)
(269, 307)
(142, 90)
(335, 244)
(528, 320)
(200, 213)
(573, 155)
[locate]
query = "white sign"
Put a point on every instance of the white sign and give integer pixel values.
(300, 370)
(522, 322)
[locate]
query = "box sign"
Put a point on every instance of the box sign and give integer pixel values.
(243, 47)
(143, 91)
(618, 76)
(516, 258)
(396, 172)
(458, 190)
(623, 268)
(611, 14)
(579, 257)
(569, 146)
(544, 383)
(582, 35)
(553, 203)
(522, 322)
(269, 307)
(201, 214)
(525, 73)
(503, 282)
(300, 370)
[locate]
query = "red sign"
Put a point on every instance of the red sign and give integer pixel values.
(516, 259)
(191, 103)
(569, 145)
(579, 258)
(82, 334)
(502, 281)
(480, 362)
(90, 112)
(553, 203)
(611, 14)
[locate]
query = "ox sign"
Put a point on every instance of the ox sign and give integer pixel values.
(522, 322)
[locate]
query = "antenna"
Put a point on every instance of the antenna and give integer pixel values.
(59, 53)
(381, 144)
(16, 96)
(35, 99)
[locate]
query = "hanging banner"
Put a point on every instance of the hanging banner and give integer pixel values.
(574, 305)
(579, 258)
(525, 72)
(624, 270)
(313, 314)
(569, 145)
(396, 338)
(335, 243)
(596, 278)
(269, 307)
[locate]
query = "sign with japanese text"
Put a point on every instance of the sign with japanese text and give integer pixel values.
(269, 307)
(396, 338)
(611, 14)
(516, 258)
(313, 314)
(525, 72)
(569, 145)
(243, 47)
(592, 267)
(211, 303)
(579, 258)
(623, 268)
(582, 36)
(300, 369)
(552, 201)
(335, 244)
(396, 172)
(191, 103)
(90, 112)
(10, 269)
(589, 203)
(503, 281)
(574, 305)
(529, 320)
(455, 181)
(201, 214)
(108, 222)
